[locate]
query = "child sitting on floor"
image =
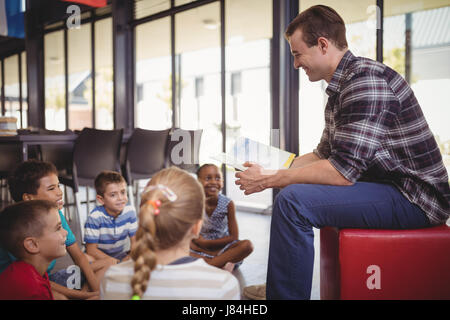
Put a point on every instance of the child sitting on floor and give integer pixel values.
(170, 216)
(218, 242)
(31, 231)
(111, 227)
(38, 180)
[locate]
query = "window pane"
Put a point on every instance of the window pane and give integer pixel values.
(360, 23)
(24, 91)
(144, 8)
(248, 101)
(12, 106)
(197, 48)
(153, 76)
(80, 81)
(104, 87)
(417, 45)
(181, 2)
(55, 113)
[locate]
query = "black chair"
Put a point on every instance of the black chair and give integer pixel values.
(10, 157)
(182, 141)
(94, 151)
(146, 155)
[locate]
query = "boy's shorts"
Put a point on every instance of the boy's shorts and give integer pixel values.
(71, 277)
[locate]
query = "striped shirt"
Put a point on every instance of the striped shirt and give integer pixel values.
(375, 131)
(111, 234)
(194, 280)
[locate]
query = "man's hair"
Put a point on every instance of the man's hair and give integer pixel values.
(319, 21)
(21, 220)
(26, 177)
(104, 178)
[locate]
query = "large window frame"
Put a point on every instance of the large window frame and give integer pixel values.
(92, 18)
(20, 68)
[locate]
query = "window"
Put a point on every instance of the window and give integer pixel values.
(104, 86)
(143, 8)
(417, 45)
(248, 102)
(153, 109)
(55, 94)
(80, 80)
(197, 49)
(15, 88)
(78, 109)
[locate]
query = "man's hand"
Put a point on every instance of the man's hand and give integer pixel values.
(254, 179)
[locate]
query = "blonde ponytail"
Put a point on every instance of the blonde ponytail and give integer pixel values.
(143, 253)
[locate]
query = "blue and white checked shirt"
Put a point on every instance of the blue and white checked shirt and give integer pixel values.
(375, 131)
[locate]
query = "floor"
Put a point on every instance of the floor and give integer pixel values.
(256, 228)
(252, 226)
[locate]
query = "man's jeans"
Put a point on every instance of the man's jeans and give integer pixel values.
(300, 207)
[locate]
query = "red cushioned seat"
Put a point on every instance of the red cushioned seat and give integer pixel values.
(385, 264)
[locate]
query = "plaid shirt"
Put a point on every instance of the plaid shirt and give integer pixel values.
(375, 131)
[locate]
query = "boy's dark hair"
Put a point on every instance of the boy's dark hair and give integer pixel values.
(319, 21)
(106, 177)
(205, 166)
(25, 177)
(21, 220)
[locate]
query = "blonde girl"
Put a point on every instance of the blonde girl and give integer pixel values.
(170, 216)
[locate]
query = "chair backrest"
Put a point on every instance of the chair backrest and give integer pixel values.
(146, 153)
(94, 151)
(184, 149)
(59, 154)
(10, 157)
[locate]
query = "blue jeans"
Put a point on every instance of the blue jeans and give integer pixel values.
(300, 207)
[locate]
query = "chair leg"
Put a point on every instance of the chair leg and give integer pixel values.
(67, 214)
(87, 200)
(81, 218)
(130, 195)
(136, 189)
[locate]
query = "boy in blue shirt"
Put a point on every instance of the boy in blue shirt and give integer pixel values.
(38, 180)
(111, 227)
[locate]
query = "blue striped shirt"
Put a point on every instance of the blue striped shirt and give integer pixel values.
(111, 234)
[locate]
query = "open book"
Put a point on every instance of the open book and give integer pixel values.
(245, 149)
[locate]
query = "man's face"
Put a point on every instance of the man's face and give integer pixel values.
(311, 60)
(49, 190)
(115, 198)
(52, 242)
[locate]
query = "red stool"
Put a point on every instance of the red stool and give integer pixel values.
(385, 264)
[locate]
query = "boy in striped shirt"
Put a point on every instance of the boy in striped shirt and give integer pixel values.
(111, 227)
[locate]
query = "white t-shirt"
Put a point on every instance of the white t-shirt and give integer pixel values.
(194, 280)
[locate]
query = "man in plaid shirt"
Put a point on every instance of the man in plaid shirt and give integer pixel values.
(377, 164)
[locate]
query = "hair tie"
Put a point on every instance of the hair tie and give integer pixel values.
(135, 297)
(155, 204)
